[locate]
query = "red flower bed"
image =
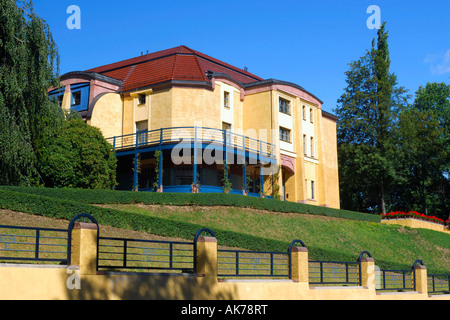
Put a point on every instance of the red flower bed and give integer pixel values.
(413, 215)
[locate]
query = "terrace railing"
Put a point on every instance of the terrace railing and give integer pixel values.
(199, 135)
(239, 263)
(334, 272)
(133, 254)
(19, 244)
(439, 283)
(397, 280)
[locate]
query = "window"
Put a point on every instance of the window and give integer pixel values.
(142, 98)
(285, 106)
(226, 99)
(285, 134)
(312, 147)
(226, 126)
(141, 130)
(76, 98)
(312, 190)
(304, 144)
(304, 113)
(311, 115)
(80, 93)
(185, 175)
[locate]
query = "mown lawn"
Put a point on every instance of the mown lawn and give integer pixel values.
(326, 238)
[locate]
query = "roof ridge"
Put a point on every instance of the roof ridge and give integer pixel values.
(200, 68)
(174, 66)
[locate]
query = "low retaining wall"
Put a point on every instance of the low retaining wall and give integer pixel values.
(417, 224)
(31, 282)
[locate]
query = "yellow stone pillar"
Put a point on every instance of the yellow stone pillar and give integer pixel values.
(84, 247)
(368, 273)
(207, 257)
(299, 264)
(420, 273)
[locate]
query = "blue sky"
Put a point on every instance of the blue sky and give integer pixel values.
(309, 43)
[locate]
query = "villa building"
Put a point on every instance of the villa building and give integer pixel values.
(182, 121)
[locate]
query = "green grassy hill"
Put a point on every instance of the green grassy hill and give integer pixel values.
(243, 222)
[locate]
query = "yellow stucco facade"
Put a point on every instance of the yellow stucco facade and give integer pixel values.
(276, 112)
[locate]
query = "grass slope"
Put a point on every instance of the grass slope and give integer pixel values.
(241, 224)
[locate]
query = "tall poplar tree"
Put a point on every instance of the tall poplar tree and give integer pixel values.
(367, 129)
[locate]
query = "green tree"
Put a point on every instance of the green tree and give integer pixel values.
(77, 155)
(39, 144)
(425, 139)
(28, 67)
(367, 129)
(423, 152)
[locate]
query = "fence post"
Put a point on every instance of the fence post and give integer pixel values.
(299, 262)
(420, 277)
(367, 271)
(84, 240)
(206, 254)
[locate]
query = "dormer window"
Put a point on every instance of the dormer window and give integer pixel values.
(80, 96)
(76, 98)
(142, 98)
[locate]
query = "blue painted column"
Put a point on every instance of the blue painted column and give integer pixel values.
(160, 164)
(160, 168)
(135, 175)
(244, 167)
(261, 175)
(195, 156)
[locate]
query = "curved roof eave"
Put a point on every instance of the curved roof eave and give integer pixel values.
(275, 81)
(94, 76)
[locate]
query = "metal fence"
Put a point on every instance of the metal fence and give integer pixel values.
(239, 263)
(395, 280)
(133, 254)
(439, 283)
(334, 272)
(19, 244)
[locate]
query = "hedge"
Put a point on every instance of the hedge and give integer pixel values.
(187, 199)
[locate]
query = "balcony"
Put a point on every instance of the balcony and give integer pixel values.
(193, 137)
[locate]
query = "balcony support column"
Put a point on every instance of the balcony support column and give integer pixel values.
(160, 171)
(135, 173)
(195, 156)
(261, 170)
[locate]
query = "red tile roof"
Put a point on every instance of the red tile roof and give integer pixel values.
(179, 63)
